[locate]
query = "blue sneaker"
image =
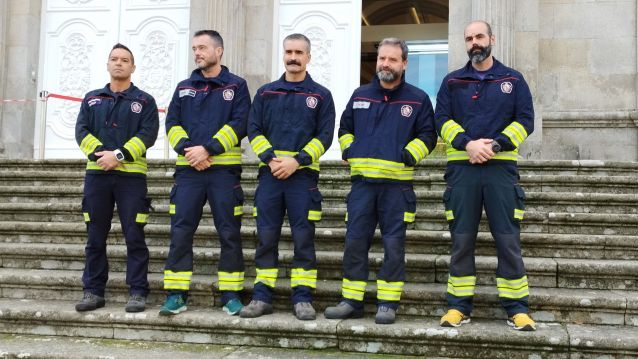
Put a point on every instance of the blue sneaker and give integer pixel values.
(233, 306)
(174, 304)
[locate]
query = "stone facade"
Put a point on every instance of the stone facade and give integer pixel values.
(578, 56)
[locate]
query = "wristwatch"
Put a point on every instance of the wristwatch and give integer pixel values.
(496, 147)
(118, 155)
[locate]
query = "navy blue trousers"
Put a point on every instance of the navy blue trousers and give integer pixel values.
(101, 193)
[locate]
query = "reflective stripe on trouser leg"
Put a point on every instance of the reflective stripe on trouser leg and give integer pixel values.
(389, 291)
(300, 276)
(232, 281)
(461, 286)
(267, 276)
(353, 289)
(512, 288)
(177, 280)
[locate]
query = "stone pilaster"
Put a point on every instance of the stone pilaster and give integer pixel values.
(500, 15)
(228, 18)
(3, 66)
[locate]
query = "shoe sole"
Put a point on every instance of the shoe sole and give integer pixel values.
(97, 306)
(172, 312)
(525, 328)
(353, 315)
(384, 321)
(227, 311)
(452, 325)
(256, 315)
(135, 309)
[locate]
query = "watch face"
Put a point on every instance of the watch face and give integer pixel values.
(119, 156)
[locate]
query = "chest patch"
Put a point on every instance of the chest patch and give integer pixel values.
(136, 107)
(187, 92)
(360, 104)
(228, 94)
(506, 87)
(311, 101)
(406, 110)
(94, 101)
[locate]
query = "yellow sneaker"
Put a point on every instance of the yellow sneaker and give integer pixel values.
(454, 318)
(522, 321)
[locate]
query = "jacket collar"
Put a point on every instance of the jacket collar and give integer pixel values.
(128, 93)
(497, 70)
(220, 80)
(307, 85)
(376, 83)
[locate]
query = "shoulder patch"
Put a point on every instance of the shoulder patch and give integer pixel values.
(360, 104)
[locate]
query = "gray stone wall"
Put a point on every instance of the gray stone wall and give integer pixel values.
(20, 38)
(588, 79)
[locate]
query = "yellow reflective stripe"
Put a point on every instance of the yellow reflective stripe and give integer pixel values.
(461, 286)
(87, 218)
(300, 276)
(516, 133)
(409, 217)
(267, 276)
(177, 280)
(230, 281)
(518, 213)
(89, 144)
(345, 141)
(418, 149)
(141, 218)
(260, 144)
(230, 157)
(389, 290)
(176, 134)
(512, 288)
(314, 215)
(353, 289)
(456, 155)
(346, 219)
(449, 215)
(227, 137)
(138, 166)
(135, 147)
(171, 208)
(449, 130)
(239, 210)
(376, 168)
(315, 149)
(254, 211)
(280, 153)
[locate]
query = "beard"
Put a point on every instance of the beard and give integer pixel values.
(481, 55)
(206, 64)
(387, 75)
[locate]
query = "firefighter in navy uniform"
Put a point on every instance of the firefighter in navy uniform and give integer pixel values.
(291, 125)
(205, 123)
(115, 127)
(484, 112)
(385, 130)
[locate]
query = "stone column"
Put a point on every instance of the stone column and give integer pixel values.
(500, 15)
(21, 21)
(3, 66)
(228, 18)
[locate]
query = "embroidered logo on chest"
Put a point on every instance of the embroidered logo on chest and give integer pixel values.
(228, 94)
(187, 92)
(94, 101)
(406, 110)
(136, 107)
(506, 87)
(360, 104)
(311, 101)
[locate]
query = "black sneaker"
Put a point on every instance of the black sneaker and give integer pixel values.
(343, 310)
(89, 302)
(136, 303)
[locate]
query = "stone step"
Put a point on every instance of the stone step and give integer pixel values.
(418, 300)
(420, 268)
(435, 181)
(62, 347)
(481, 338)
(551, 244)
(536, 201)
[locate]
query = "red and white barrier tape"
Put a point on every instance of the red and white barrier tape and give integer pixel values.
(58, 96)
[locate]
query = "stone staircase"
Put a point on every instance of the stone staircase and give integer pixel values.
(579, 238)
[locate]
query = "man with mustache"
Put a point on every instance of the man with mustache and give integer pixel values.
(385, 130)
(205, 123)
(291, 125)
(484, 112)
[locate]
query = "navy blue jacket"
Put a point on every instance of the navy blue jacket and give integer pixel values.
(384, 133)
(126, 120)
(498, 107)
(211, 112)
(292, 119)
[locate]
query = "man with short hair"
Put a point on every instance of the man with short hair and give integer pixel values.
(484, 112)
(386, 129)
(290, 127)
(114, 128)
(205, 123)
